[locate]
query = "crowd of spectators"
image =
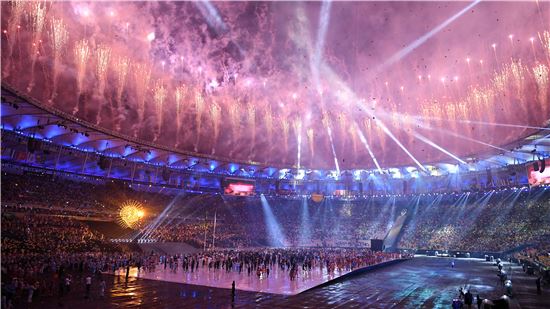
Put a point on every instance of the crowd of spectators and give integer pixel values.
(537, 254)
(242, 222)
(81, 196)
(491, 222)
(45, 239)
(484, 221)
(40, 251)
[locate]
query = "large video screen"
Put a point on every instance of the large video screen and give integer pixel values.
(239, 186)
(537, 178)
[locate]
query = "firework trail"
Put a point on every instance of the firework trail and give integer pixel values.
(159, 96)
(179, 95)
(540, 73)
(328, 126)
(462, 110)
(518, 70)
(544, 38)
(285, 125)
(251, 118)
(142, 77)
(374, 132)
(297, 125)
(353, 134)
(103, 54)
(215, 114)
(81, 56)
(38, 19)
(450, 111)
(235, 119)
(199, 107)
(310, 137)
(58, 38)
(268, 121)
(121, 66)
(407, 126)
(12, 33)
(342, 125)
(234, 115)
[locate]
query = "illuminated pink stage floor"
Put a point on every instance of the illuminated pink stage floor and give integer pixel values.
(278, 281)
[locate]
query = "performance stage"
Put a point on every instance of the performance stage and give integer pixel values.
(422, 282)
(278, 281)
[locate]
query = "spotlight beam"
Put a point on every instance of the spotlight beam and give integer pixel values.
(329, 131)
(276, 237)
(324, 20)
(436, 146)
(388, 133)
(428, 127)
(364, 141)
(159, 220)
(421, 40)
(210, 13)
(507, 125)
(336, 81)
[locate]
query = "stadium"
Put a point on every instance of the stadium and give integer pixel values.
(275, 154)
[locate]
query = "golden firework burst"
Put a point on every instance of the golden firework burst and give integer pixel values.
(131, 214)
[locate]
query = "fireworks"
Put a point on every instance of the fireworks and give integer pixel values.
(199, 106)
(310, 137)
(159, 95)
(540, 73)
(251, 114)
(342, 121)
(58, 38)
(131, 214)
(142, 76)
(236, 112)
(268, 121)
(545, 41)
(297, 126)
(199, 102)
(37, 18)
(462, 110)
(103, 54)
(17, 10)
(121, 67)
(500, 82)
(234, 117)
(251, 117)
(122, 64)
(285, 125)
(451, 112)
(215, 114)
(179, 95)
(81, 56)
(325, 119)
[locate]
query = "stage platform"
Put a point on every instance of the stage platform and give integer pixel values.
(422, 282)
(278, 281)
